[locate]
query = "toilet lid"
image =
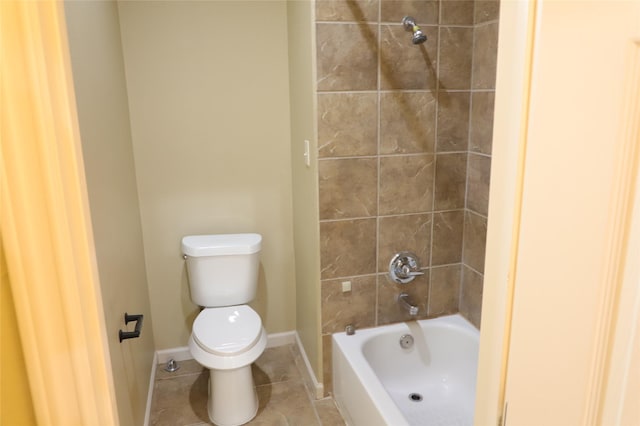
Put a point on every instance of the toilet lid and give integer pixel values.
(228, 330)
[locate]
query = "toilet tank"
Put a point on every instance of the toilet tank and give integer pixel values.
(222, 269)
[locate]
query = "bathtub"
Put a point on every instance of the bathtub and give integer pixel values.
(377, 382)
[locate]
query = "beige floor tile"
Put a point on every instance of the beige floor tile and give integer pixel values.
(187, 367)
(275, 365)
(180, 401)
(304, 372)
(285, 403)
(328, 412)
(180, 398)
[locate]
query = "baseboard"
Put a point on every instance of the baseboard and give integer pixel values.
(280, 339)
(152, 379)
(317, 386)
(182, 353)
(179, 354)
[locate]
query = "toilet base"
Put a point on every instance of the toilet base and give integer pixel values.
(232, 396)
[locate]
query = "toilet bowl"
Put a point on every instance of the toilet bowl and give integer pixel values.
(227, 335)
(227, 341)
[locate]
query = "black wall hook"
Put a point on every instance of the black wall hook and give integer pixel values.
(131, 334)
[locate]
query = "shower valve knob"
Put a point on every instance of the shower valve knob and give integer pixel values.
(404, 267)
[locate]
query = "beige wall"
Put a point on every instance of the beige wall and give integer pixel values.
(101, 96)
(305, 182)
(209, 106)
(404, 157)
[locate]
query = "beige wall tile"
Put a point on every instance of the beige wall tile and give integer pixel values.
(406, 184)
(358, 198)
(485, 56)
(475, 237)
(481, 125)
(407, 122)
(478, 176)
(356, 307)
(347, 124)
(389, 310)
(444, 291)
(447, 238)
(454, 67)
(456, 12)
(425, 12)
(471, 296)
(453, 121)
(404, 65)
(347, 10)
(404, 233)
(451, 181)
(486, 10)
(347, 248)
(412, 126)
(347, 56)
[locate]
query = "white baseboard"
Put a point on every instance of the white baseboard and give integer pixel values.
(318, 387)
(182, 353)
(280, 339)
(179, 354)
(152, 379)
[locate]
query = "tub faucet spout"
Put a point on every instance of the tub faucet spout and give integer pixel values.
(405, 301)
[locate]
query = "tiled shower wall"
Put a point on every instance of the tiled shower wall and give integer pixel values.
(404, 145)
(483, 80)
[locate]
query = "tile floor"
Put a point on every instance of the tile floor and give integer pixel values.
(180, 398)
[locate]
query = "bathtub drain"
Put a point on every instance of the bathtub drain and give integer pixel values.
(415, 397)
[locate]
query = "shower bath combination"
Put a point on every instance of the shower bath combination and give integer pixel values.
(410, 25)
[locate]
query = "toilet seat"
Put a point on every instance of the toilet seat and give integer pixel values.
(227, 331)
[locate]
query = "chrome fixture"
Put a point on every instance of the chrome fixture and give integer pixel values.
(172, 366)
(405, 301)
(410, 25)
(404, 267)
(350, 330)
(406, 341)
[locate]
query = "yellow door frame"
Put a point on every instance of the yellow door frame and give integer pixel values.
(45, 222)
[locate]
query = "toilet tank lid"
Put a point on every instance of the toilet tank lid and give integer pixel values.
(221, 244)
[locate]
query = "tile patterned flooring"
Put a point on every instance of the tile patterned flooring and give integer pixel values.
(180, 398)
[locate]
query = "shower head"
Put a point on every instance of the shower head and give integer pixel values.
(418, 37)
(410, 25)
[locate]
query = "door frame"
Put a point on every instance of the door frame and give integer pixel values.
(613, 392)
(513, 84)
(45, 222)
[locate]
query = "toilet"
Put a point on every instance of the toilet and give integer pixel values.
(227, 336)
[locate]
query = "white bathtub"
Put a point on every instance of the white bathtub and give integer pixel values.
(376, 382)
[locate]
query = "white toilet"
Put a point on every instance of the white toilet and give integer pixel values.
(227, 336)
